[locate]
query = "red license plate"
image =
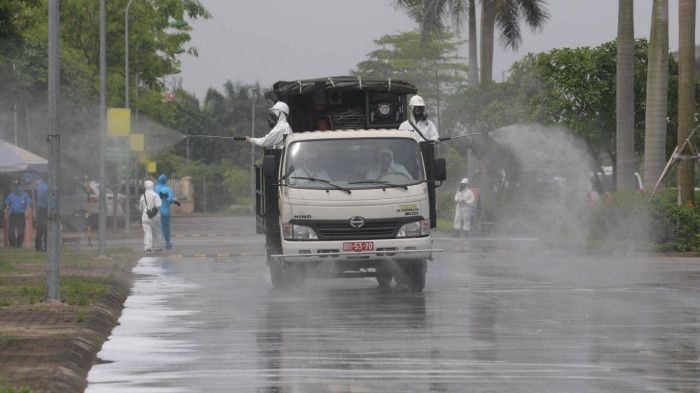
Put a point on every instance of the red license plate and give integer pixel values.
(358, 246)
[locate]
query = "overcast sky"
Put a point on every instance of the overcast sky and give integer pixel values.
(270, 40)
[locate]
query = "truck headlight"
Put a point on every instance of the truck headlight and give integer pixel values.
(415, 229)
(298, 232)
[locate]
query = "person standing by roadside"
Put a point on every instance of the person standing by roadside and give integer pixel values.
(150, 204)
(464, 198)
(17, 203)
(167, 198)
(42, 208)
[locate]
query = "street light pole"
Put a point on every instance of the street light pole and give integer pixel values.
(53, 276)
(102, 224)
(252, 158)
(127, 208)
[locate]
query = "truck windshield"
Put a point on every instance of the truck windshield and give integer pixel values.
(354, 163)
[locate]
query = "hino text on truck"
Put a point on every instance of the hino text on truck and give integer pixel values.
(348, 194)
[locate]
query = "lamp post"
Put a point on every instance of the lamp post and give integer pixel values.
(102, 222)
(127, 208)
(53, 287)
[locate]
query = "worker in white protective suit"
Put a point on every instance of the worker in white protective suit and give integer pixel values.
(386, 165)
(426, 127)
(465, 200)
(277, 120)
(311, 168)
(150, 204)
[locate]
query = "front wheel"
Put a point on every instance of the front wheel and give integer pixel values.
(384, 275)
(416, 274)
(411, 274)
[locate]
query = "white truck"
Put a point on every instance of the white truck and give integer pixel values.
(354, 200)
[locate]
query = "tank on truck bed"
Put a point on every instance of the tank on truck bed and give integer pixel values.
(344, 103)
(357, 200)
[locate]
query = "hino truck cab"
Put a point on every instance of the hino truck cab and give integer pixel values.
(348, 195)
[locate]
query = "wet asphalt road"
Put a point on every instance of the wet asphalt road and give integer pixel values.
(496, 316)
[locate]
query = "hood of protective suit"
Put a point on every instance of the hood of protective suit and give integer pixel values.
(281, 116)
(162, 179)
(148, 184)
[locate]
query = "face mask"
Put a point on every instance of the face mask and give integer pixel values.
(271, 119)
(419, 113)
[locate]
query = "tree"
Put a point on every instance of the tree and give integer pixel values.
(506, 15)
(686, 96)
(657, 95)
(473, 45)
(431, 63)
(626, 163)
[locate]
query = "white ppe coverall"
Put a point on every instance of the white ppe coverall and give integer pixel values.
(275, 137)
(463, 214)
(426, 127)
(151, 226)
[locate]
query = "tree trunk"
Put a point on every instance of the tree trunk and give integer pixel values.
(473, 76)
(657, 95)
(626, 164)
(686, 96)
(487, 30)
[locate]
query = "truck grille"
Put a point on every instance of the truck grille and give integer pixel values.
(341, 230)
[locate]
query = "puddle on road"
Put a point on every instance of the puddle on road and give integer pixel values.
(145, 348)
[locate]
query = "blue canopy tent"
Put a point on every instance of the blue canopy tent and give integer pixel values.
(15, 159)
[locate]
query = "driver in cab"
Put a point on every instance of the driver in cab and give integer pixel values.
(386, 165)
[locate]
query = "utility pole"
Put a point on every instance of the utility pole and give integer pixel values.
(14, 110)
(252, 157)
(127, 208)
(102, 224)
(53, 276)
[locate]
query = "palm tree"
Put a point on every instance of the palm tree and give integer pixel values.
(507, 15)
(686, 95)
(657, 95)
(624, 171)
(433, 17)
(473, 77)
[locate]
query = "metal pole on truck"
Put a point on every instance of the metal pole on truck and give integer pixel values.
(53, 276)
(102, 224)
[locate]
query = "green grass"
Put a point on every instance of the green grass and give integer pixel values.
(22, 283)
(9, 389)
(444, 225)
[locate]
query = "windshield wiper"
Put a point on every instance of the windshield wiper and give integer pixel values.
(337, 187)
(385, 183)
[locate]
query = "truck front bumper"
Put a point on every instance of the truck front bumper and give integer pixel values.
(384, 249)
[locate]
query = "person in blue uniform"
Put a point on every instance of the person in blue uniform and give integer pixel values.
(167, 198)
(16, 204)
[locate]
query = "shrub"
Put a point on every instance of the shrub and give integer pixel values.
(633, 221)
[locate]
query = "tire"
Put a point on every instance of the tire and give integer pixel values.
(384, 275)
(416, 275)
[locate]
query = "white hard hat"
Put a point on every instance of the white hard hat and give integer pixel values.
(416, 101)
(281, 107)
(464, 181)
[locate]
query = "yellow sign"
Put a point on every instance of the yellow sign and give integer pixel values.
(136, 142)
(118, 121)
(152, 167)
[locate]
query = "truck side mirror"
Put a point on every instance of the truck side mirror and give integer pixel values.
(440, 171)
(269, 167)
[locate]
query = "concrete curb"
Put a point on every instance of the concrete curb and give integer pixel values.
(71, 376)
